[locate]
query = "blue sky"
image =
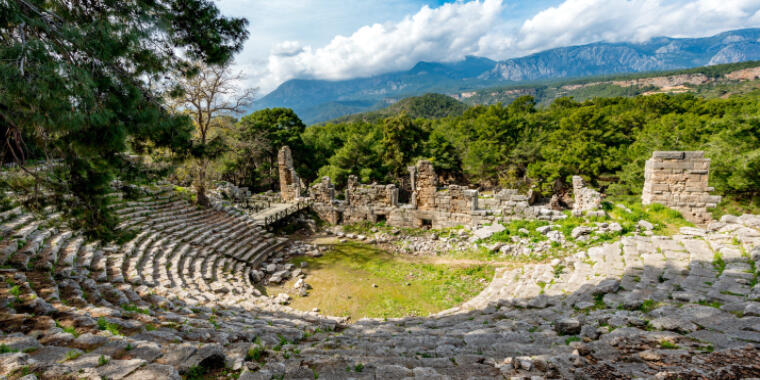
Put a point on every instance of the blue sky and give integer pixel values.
(334, 39)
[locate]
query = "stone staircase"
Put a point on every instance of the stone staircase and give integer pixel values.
(176, 301)
(176, 296)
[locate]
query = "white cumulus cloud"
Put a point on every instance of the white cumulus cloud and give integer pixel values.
(583, 21)
(447, 33)
(484, 28)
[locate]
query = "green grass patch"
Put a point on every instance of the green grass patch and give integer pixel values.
(6, 350)
(255, 353)
(648, 305)
(668, 345)
(513, 229)
(718, 263)
(736, 205)
(342, 282)
(134, 309)
(69, 329)
(195, 373)
(572, 339)
(666, 221)
(714, 304)
(107, 326)
(72, 355)
(366, 228)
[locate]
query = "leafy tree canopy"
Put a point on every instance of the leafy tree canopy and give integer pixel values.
(82, 79)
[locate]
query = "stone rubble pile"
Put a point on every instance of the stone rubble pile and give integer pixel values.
(276, 269)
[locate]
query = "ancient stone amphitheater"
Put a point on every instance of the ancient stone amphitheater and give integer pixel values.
(176, 301)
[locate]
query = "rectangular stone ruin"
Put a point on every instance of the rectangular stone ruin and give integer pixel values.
(679, 180)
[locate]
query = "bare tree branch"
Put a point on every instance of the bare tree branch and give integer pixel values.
(211, 93)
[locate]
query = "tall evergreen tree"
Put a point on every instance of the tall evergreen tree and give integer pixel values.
(82, 78)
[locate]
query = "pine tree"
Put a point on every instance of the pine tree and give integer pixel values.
(82, 78)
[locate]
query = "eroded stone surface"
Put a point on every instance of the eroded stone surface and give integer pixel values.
(642, 307)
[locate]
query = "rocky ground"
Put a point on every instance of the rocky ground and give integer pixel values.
(540, 241)
(178, 301)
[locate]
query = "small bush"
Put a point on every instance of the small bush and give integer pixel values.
(107, 326)
(255, 353)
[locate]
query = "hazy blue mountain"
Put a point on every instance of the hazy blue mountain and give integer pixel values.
(320, 100)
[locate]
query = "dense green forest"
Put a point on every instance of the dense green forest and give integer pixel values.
(428, 106)
(606, 140)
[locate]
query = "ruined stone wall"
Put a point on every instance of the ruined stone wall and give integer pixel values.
(370, 195)
(586, 199)
(450, 207)
(679, 180)
(323, 192)
(456, 199)
(411, 218)
(290, 184)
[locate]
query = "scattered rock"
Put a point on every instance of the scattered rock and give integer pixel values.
(282, 299)
(567, 326)
(580, 231)
(488, 231)
(644, 225)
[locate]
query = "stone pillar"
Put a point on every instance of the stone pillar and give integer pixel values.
(679, 180)
(290, 184)
(425, 182)
(351, 184)
(586, 198)
(391, 195)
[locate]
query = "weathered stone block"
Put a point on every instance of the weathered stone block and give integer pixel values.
(679, 180)
(668, 155)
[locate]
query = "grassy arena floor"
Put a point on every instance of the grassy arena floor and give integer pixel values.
(343, 279)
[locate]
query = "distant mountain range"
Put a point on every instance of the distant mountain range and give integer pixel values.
(319, 100)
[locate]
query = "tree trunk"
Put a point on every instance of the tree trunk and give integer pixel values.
(200, 186)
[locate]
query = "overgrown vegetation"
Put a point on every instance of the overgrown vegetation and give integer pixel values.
(343, 280)
(84, 84)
